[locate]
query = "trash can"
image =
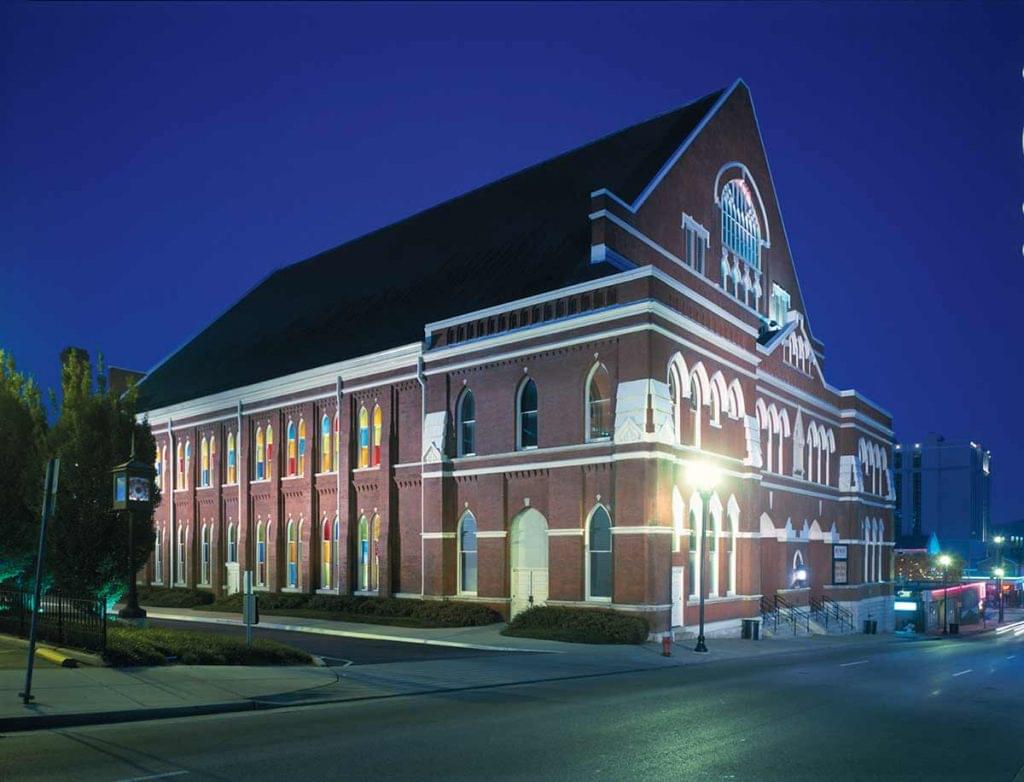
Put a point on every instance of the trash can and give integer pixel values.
(751, 629)
(870, 627)
(954, 628)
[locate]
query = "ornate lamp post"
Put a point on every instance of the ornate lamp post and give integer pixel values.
(703, 476)
(133, 491)
(944, 562)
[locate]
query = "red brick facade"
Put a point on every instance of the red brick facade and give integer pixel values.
(774, 521)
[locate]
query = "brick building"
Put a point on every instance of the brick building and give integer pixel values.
(496, 400)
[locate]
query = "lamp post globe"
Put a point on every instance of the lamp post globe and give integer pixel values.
(133, 492)
(704, 477)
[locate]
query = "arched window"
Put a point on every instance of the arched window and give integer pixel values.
(337, 442)
(158, 556)
(467, 554)
(378, 427)
(674, 388)
(599, 404)
(326, 451)
(270, 452)
(204, 462)
(466, 422)
(261, 455)
(741, 230)
(715, 403)
(715, 533)
(261, 554)
(302, 446)
(232, 459)
(364, 438)
(188, 463)
(526, 415)
(695, 523)
(599, 555)
(695, 403)
(733, 511)
(292, 446)
(204, 559)
(293, 554)
(364, 554)
(879, 548)
(375, 531)
(678, 511)
(232, 543)
(158, 468)
(326, 554)
(180, 577)
(335, 545)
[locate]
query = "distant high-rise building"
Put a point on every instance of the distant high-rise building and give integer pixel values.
(943, 486)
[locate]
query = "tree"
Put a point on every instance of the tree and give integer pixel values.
(87, 543)
(22, 465)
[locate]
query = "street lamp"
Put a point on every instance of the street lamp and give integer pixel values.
(944, 562)
(703, 476)
(133, 491)
(999, 572)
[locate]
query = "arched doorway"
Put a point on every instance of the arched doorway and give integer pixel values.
(528, 553)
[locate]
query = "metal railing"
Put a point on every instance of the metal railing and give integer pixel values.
(62, 620)
(769, 613)
(797, 616)
(831, 613)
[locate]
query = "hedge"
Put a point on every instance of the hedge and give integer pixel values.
(161, 597)
(130, 646)
(375, 610)
(579, 625)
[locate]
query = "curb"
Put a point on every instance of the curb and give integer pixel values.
(53, 656)
(77, 719)
(315, 630)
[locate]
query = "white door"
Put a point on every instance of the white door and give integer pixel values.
(233, 577)
(528, 552)
(678, 595)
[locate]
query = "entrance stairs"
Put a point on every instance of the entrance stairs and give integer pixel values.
(822, 616)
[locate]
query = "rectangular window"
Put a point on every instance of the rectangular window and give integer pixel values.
(695, 244)
(779, 304)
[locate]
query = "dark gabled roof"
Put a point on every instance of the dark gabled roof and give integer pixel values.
(516, 237)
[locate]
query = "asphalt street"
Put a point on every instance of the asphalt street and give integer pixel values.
(338, 650)
(930, 710)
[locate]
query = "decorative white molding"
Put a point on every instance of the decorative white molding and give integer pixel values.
(646, 530)
(753, 437)
(435, 427)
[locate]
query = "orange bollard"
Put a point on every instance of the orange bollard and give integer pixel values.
(666, 646)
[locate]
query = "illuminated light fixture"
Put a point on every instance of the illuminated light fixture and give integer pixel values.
(917, 445)
(998, 540)
(945, 560)
(998, 572)
(801, 574)
(904, 605)
(703, 476)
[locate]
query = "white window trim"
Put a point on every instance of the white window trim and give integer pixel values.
(458, 556)
(586, 554)
(519, 414)
(586, 403)
(459, 445)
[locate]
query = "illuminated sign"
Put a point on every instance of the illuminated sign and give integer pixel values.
(905, 605)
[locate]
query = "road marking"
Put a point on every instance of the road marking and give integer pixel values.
(961, 673)
(857, 662)
(154, 776)
(1010, 656)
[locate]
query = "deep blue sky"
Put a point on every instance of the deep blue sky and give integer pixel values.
(157, 161)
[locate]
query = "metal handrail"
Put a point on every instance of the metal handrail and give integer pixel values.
(842, 615)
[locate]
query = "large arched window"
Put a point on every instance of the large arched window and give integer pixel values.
(337, 442)
(232, 543)
(158, 469)
(180, 577)
(158, 556)
(270, 452)
(714, 535)
(232, 459)
(364, 438)
(204, 462)
(678, 512)
(733, 512)
(364, 554)
(375, 560)
(293, 449)
(204, 554)
(599, 555)
(336, 549)
(261, 554)
(467, 554)
(378, 428)
(188, 463)
(261, 455)
(599, 404)
(466, 421)
(879, 549)
(696, 393)
(179, 463)
(326, 554)
(694, 541)
(741, 230)
(526, 415)
(293, 554)
(326, 451)
(302, 446)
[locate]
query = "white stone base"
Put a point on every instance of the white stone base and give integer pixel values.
(727, 628)
(878, 608)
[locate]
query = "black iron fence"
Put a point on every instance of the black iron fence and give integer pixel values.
(62, 620)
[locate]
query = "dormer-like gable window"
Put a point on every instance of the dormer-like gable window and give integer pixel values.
(695, 243)
(741, 231)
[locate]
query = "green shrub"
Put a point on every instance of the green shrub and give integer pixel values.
(376, 610)
(161, 597)
(131, 646)
(579, 625)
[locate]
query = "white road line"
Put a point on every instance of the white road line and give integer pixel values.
(961, 673)
(154, 776)
(858, 662)
(1010, 656)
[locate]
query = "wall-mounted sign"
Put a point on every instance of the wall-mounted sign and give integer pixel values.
(839, 571)
(905, 605)
(839, 552)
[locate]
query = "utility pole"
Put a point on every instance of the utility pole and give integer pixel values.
(49, 504)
